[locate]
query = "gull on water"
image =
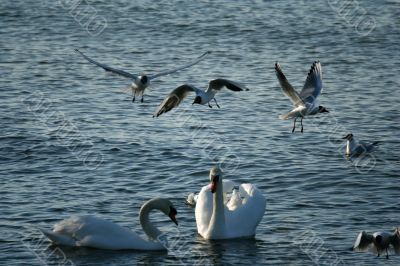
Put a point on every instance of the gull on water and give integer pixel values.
(305, 103)
(378, 242)
(354, 147)
(202, 97)
(141, 82)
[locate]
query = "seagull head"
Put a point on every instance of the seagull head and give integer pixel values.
(197, 100)
(378, 239)
(348, 137)
(144, 79)
(322, 109)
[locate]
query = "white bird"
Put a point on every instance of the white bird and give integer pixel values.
(305, 103)
(89, 231)
(354, 147)
(238, 217)
(378, 242)
(141, 82)
(202, 97)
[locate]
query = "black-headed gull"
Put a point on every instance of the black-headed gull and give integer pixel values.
(306, 102)
(202, 97)
(355, 147)
(140, 82)
(378, 242)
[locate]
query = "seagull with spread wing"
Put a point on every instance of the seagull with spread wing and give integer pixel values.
(140, 82)
(305, 103)
(378, 242)
(202, 97)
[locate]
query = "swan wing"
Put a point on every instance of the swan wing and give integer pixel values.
(204, 209)
(244, 220)
(59, 239)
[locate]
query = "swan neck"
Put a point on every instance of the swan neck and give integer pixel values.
(151, 231)
(217, 224)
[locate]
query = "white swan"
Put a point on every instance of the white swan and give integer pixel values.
(237, 217)
(89, 231)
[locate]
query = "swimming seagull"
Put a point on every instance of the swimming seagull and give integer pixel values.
(378, 242)
(202, 97)
(140, 82)
(306, 102)
(355, 147)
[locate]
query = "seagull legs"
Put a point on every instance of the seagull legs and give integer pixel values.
(387, 254)
(294, 124)
(209, 105)
(141, 100)
(215, 100)
(301, 122)
(134, 95)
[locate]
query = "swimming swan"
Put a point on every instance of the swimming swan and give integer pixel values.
(90, 231)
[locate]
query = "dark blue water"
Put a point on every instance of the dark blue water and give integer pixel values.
(71, 143)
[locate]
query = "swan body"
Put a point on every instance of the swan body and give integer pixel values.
(220, 217)
(90, 231)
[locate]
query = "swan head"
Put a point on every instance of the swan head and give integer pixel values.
(197, 100)
(348, 137)
(164, 205)
(215, 178)
(168, 209)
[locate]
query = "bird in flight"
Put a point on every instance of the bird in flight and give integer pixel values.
(305, 103)
(202, 96)
(378, 242)
(141, 82)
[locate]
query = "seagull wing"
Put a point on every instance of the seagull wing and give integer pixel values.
(313, 85)
(107, 68)
(167, 72)
(395, 240)
(287, 89)
(218, 84)
(363, 241)
(174, 99)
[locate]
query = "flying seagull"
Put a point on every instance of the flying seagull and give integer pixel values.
(202, 97)
(378, 242)
(141, 82)
(355, 147)
(306, 102)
